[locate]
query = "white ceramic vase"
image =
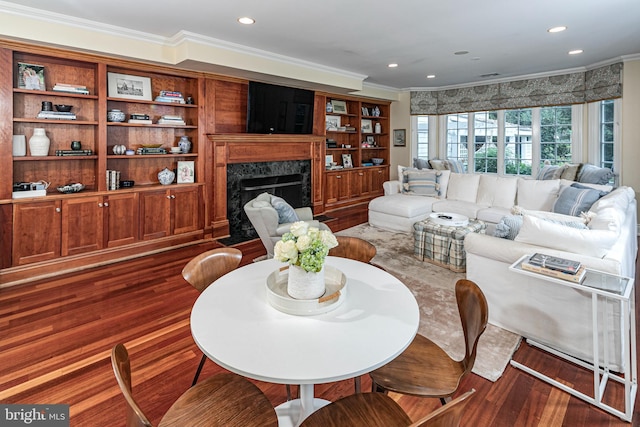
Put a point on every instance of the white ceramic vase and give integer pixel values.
(303, 284)
(19, 145)
(166, 176)
(39, 143)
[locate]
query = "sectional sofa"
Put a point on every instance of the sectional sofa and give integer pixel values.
(598, 227)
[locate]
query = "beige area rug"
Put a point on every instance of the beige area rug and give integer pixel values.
(433, 288)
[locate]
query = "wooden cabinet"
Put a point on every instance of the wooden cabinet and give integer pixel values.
(82, 225)
(121, 221)
(348, 186)
(36, 232)
(169, 212)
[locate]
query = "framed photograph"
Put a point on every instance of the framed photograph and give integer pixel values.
(346, 161)
(399, 137)
(328, 159)
(332, 122)
(366, 126)
(129, 87)
(30, 76)
(371, 139)
(186, 172)
(339, 107)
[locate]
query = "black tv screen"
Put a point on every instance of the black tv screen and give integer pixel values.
(279, 109)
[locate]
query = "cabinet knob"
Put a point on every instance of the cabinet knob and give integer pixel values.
(99, 205)
(338, 176)
(58, 210)
(168, 197)
(173, 196)
(106, 204)
(360, 173)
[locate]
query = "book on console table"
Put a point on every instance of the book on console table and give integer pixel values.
(555, 263)
(571, 277)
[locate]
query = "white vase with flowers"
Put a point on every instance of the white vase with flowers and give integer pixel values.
(305, 249)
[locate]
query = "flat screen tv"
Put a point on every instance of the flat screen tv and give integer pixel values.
(279, 109)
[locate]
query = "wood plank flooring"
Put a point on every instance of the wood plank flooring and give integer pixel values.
(56, 337)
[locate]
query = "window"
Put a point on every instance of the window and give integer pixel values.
(485, 138)
(606, 139)
(555, 135)
(457, 137)
(518, 142)
(422, 129)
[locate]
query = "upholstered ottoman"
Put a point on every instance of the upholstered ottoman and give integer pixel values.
(398, 212)
(443, 245)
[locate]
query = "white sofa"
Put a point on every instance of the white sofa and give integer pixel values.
(553, 315)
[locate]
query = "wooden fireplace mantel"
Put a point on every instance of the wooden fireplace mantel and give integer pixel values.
(247, 148)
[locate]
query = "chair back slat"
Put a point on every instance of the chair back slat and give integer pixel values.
(209, 266)
(474, 314)
(122, 370)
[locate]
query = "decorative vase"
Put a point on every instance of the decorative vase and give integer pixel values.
(378, 128)
(166, 176)
(119, 149)
(19, 145)
(115, 116)
(39, 143)
(303, 284)
(184, 144)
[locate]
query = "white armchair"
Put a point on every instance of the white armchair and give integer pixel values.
(265, 220)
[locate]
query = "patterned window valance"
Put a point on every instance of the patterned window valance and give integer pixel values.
(576, 88)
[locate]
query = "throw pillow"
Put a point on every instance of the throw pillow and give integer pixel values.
(575, 200)
(570, 171)
(422, 182)
(508, 227)
(421, 163)
(455, 166)
(286, 213)
(594, 175)
(439, 165)
(401, 170)
(550, 172)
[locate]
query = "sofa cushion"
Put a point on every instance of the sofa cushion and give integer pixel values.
(537, 195)
(557, 217)
(594, 175)
(463, 187)
(537, 231)
(402, 205)
(286, 213)
(576, 199)
(606, 188)
(492, 214)
(421, 182)
(421, 163)
(497, 191)
(468, 209)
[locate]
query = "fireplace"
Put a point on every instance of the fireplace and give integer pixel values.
(290, 180)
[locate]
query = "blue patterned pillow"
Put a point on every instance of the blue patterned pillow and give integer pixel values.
(508, 227)
(590, 174)
(549, 172)
(455, 166)
(421, 163)
(576, 199)
(422, 182)
(286, 213)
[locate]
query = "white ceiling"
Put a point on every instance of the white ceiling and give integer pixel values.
(508, 37)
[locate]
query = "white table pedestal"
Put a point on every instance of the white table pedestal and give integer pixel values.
(293, 412)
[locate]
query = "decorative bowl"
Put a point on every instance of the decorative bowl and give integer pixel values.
(71, 188)
(377, 161)
(63, 108)
(127, 183)
(115, 116)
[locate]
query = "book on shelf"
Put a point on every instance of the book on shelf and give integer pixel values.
(170, 99)
(58, 115)
(149, 150)
(141, 121)
(70, 85)
(576, 277)
(171, 117)
(171, 93)
(139, 116)
(113, 180)
(74, 152)
(555, 263)
(171, 122)
(64, 87)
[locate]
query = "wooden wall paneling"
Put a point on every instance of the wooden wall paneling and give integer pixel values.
(101, 131)
(6, 122)
(6, 227)
(220, 222)
(319, 110)
(317, 177)
(231, 107)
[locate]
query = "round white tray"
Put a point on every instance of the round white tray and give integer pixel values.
(336, 292)
(449, 219)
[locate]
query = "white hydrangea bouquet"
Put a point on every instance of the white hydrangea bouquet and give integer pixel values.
(305, 246)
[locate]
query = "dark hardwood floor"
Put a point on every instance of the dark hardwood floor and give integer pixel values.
(56, 337)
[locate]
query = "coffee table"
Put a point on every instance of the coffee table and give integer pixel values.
(235, 326)
(439, 239)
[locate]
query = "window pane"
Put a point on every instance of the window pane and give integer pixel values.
(555, 135)
(457, 137)
(606, 134)
(518, 153)
(485, 142)
(423, 137)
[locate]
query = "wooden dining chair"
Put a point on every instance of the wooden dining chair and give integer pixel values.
(360, 250)
(222, 400)
(206, 268)
(424, 369)
(380, 410)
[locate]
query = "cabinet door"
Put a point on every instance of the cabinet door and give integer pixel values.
(121, 219)
(337, 187)
(363, 183)
(82, 221)
(378, 177)
(36, 232)
(155, 214)
(185, 209)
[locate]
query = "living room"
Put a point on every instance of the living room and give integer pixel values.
(191, 53)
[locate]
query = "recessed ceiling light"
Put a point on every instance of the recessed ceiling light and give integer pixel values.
(557, 29)
(575, 52)
(392, 65)
(246, 20)
(431, 76)
(461, 52)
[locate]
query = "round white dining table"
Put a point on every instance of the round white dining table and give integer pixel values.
(235, 326)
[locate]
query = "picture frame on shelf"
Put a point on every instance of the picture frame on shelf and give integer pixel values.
(332, 123)
(339, 107)
(127, 86)
(186, 172)
(328, 159)
(30, 76)
(371, 139)
(399, 137)
(366, 126)
(347, 162)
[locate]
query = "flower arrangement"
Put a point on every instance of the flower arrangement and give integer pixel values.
(305, 246)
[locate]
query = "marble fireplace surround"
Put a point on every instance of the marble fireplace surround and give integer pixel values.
(230, 149)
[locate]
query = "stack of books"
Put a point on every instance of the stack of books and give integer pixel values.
(74, 152)
(560, 268)
(170, 96)
(150, 150)
(65, 87)
(140, 119)
(168, 119)
(57, 115)
(113, 180)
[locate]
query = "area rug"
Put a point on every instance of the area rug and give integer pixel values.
(433, 288)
